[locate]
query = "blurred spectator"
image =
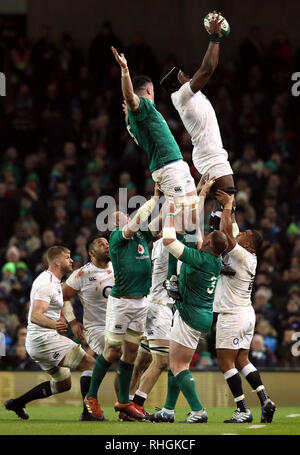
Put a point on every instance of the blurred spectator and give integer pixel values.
(259, 355)
(264, 328)
(20, 360)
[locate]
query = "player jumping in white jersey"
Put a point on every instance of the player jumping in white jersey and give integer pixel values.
(236, 318)
(199, 119)
(55, 353)
(93, 283)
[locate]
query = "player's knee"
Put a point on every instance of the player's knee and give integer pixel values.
(113, 347)
(161, 361)
(131, 336)
(87, 363)
(60, 381)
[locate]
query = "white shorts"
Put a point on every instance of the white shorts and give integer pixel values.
(235, 331)
(214, 170)
(183, 333)
(159, 322)
(48, 349)
(95, 338)
(175, 179)
(123, 314)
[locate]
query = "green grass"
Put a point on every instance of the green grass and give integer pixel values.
(64, 421)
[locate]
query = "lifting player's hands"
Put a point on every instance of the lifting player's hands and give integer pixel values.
(125, 108)
(215, 24)
(207, 184)
(157, 191)
(78, 330)
(224, 198)
(120, 58)
(61, 325)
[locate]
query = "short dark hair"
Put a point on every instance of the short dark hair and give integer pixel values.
(92, 238)
(219, 242)
(257, 239)
(139, 82)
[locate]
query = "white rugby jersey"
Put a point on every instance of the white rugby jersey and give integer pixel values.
(233, 293)
(93, 285)
(160, 261)
(200, 121)
(46, 287)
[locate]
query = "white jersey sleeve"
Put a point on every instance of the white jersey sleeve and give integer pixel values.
(44, 293)
(183, 95)
(75, 280)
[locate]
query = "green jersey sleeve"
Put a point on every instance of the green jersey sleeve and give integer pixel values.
(142, 111)
(193, 257)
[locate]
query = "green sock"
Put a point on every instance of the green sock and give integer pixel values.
(173, 392)
(124, 377)
(99, 371)
(187, 385)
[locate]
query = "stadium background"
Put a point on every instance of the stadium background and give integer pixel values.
(63, 144)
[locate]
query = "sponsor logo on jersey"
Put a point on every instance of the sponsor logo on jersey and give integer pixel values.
(55, 355)
(92, 278)
(150, 332)
(235, 341)
(118, 326)
(177, 189)
(141, 249)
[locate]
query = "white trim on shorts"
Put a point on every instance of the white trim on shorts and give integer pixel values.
(183, 334)
(175, 179)
(123, 314)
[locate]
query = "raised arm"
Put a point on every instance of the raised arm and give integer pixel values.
(175, 247)
(131, 99)
(141, 215)
(226, 222)
(211, 58)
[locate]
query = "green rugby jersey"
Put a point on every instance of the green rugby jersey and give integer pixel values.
(131, 263)
(151, 132)
(197, 282)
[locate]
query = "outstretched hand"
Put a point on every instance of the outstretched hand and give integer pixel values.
(224, 198)
(119, 57)
(215, 24)
(208, 183)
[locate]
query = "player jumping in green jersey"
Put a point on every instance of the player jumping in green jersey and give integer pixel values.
(127, 307)
(198, 277)
(151, 132)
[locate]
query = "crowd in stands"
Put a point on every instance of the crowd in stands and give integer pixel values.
(64, 143)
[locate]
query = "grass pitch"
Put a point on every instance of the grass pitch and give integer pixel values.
(64, 421)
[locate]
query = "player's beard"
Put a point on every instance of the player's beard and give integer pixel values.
(66, 268)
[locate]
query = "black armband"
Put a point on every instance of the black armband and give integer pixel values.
(215, 38)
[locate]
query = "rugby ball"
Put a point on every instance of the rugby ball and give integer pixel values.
(225, 28)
